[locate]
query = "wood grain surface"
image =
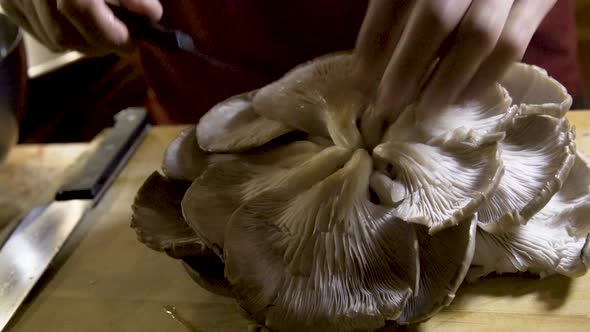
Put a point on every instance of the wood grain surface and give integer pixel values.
(30, 176)
(107, 281)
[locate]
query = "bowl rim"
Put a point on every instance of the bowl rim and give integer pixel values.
(17, 40)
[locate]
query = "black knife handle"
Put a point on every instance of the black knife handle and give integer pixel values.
(129, 125)
(141, 28)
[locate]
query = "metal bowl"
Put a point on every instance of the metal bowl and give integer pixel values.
(13, 83)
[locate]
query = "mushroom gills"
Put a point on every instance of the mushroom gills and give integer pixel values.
(535, 168)
(328, 259)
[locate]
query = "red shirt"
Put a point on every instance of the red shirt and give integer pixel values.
(266, 38)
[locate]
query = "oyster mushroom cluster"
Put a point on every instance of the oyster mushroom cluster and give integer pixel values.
(275, 199)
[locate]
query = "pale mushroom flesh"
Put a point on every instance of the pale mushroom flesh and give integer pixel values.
(317, 230)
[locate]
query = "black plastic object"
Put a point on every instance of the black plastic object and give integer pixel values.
(100, 166)
(140, 27)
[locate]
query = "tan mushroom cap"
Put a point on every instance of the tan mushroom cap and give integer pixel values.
(157, 218)
(533, 247)
(183, 158)
(443, 185)
(212, 199)
(535, 92)
(537, 153)
(327, 258)
(232, 125)
(570, 206)
(321, 98)
(555, 240)
(444, 261)
(158, 222)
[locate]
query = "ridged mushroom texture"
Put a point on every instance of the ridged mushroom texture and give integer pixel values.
(318, 229)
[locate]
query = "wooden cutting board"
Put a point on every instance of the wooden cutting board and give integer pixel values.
(108, 281)
(31, 175)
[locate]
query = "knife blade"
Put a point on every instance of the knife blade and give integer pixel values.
(33, 245)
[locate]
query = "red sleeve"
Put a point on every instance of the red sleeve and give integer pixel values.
(555, 47)
(265, 38)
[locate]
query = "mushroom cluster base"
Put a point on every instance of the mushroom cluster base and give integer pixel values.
(315, 213)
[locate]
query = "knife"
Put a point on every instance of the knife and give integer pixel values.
(38, 238)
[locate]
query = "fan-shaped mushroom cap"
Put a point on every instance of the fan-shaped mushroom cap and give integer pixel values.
(533, 247)
(184, 159)
(555, 240)
(444, 261)
(327, 258)
(158, 222)
(157, 218)
(212, 199)
(534, 91)
(321, 98)
(570, 206)
(233, 125)
(443, 184)
(538, 152)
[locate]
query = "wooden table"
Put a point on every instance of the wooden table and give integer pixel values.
(108, 281)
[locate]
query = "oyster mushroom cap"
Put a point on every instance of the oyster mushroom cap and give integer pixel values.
(327, 258)
(212, 199)
(474, 120)
(532, 247)
(233, 125)
(158, 222)
(157, 218)
(538, 152)
(444, 261)
(555, 240)
(183, 158)
(534, 91)
(443, 185)
(570, 206)
(321, 98)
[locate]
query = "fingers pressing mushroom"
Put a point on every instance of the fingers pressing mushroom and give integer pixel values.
(537, 153)
(233, 125)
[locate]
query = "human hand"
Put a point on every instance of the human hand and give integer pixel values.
(434, 52)
(85, 25)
